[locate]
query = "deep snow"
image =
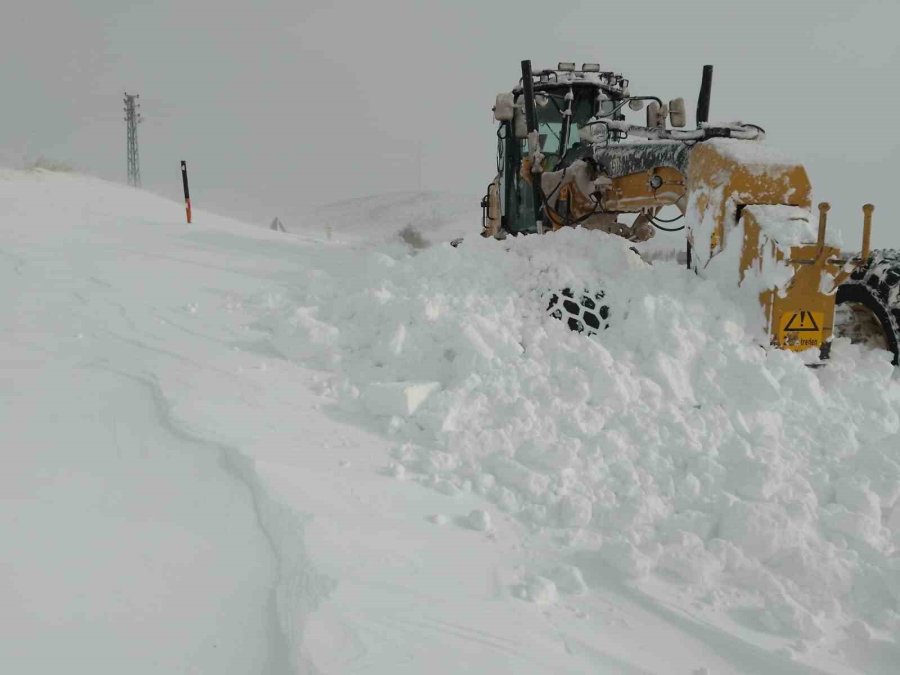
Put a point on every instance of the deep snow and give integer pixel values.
(234, 450)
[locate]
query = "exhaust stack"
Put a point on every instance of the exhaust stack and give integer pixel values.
(703, 98)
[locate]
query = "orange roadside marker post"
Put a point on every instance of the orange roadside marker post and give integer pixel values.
(187, 194)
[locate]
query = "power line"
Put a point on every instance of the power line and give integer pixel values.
(132, 119)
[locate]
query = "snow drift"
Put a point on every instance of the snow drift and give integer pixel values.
(387, 458)
(671, 447)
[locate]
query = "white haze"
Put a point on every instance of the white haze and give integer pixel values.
(281, 106)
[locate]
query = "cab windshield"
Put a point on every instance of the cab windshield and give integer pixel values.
(549, 109)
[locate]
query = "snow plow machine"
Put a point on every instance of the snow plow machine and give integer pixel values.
(567, 157)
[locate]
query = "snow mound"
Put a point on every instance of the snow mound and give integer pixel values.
(670, 448)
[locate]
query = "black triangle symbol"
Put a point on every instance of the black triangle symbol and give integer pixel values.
(803, 317)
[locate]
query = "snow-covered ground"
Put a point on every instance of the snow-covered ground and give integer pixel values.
(229, 450)
(418, 218)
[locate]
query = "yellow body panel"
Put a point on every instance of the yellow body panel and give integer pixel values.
(635, 192)
(722, 182)
(491, 206)
(800, 315)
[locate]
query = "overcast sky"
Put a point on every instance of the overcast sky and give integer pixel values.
(279, 106)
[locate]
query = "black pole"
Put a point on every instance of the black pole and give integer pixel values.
(531, 122)
(187, 193)
(703, 98)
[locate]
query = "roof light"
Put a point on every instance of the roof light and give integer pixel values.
(590, 67)
(566, 66)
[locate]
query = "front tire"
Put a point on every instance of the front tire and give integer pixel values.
(585, 312)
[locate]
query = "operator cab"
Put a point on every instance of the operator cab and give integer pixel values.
(566, 101)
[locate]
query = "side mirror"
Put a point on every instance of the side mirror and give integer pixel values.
(636, 104)
(503, 108)
(677, 114)
(656, 115)
(520, 125)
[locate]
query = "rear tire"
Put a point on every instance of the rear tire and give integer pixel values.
(873, 294)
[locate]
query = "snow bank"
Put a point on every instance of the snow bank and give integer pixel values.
(671, 447)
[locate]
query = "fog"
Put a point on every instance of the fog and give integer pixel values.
(282, 106)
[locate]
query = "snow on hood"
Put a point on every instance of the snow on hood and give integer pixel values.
(753, 154)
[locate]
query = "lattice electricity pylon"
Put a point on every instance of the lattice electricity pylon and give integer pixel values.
(132, 119)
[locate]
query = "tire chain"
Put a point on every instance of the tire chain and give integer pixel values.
(878, 281)
(586, 312)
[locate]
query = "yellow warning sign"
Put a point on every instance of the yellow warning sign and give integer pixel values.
(799, 330)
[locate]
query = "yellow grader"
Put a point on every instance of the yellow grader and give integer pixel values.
(567, 157)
